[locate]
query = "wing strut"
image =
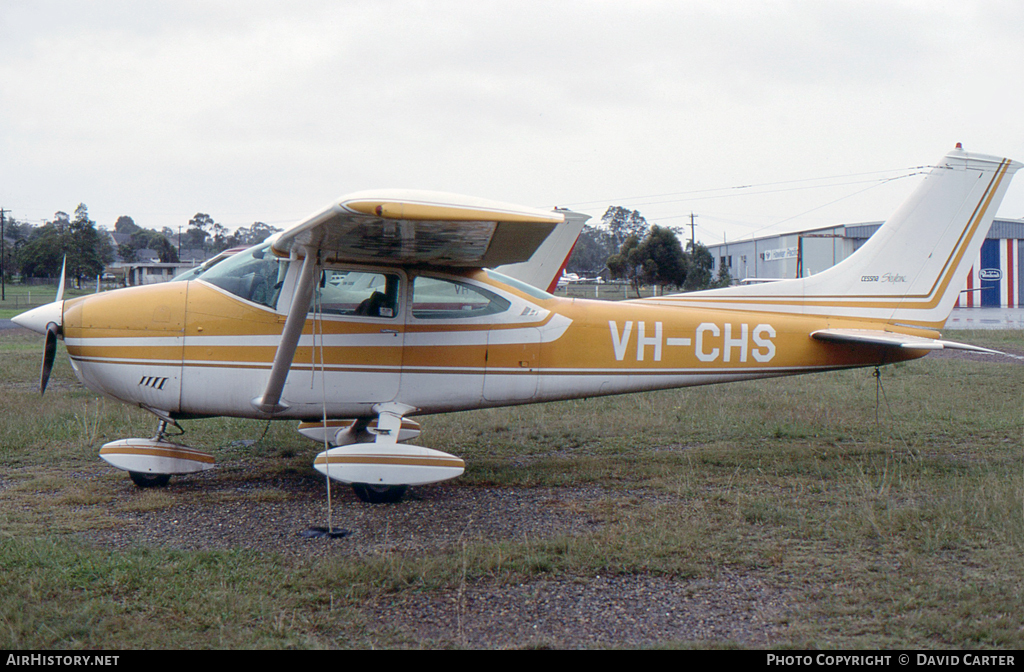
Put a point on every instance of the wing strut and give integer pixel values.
(270, 403)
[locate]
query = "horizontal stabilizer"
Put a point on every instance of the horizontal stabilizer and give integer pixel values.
(891, 340)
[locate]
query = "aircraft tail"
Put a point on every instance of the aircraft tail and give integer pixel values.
(911, 270)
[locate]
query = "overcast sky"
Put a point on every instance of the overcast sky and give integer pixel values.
(266, 111)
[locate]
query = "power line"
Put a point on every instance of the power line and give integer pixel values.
(916, 170)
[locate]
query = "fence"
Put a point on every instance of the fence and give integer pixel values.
(19, 296)
(30, 300)
(608, 291)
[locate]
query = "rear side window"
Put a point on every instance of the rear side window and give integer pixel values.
(440, 299)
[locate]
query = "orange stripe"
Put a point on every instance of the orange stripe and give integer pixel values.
(393, 460)
(147, 451)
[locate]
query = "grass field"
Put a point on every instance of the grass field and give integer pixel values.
(763, 514)
(19, 298)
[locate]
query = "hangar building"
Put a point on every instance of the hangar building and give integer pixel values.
(995, 279)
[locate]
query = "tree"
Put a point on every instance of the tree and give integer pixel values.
(658, 259)
(15, 235)
(219, 234)
(590, 254)
(152, 240)
(126, 252)
(724, 277)
(259, 232)
(126, 224)
(165, 250)
(628, 263)
(198, 229)
(42, 252)
(701, 263)
(622, 223)
(88, 251)
(670, 263)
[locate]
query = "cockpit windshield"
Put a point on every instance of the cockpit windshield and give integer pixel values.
(254, 275)
(193, 273)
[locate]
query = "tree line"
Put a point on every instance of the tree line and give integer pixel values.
(631, 249)
(625, 245)
(38, 251)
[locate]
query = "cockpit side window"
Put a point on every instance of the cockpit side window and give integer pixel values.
(357, 294)
(254, 275)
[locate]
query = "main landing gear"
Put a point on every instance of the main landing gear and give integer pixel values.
(369, 454)
(379, 494)
(149, 480)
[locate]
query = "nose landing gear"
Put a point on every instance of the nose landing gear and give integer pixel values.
(151, 462)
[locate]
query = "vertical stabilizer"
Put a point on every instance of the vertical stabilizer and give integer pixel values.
(912, 269)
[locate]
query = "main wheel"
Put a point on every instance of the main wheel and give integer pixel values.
(379, 494)
(149, 480)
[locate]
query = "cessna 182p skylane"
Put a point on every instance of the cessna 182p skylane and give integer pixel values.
(381, 307)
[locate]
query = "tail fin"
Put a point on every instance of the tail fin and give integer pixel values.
(912, 269)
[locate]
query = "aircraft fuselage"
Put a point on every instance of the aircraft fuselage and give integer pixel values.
(194, 349)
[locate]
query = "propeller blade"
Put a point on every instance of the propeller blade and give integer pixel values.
(60, 287)
(49, 352)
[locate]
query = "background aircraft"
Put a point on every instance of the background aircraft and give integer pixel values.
(381, 307)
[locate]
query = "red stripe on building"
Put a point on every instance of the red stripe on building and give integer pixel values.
(1011, 277)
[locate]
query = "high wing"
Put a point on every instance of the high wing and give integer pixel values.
(400, 227)
(888, 339)
(421, 227)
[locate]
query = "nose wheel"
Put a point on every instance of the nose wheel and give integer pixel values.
(151, 462)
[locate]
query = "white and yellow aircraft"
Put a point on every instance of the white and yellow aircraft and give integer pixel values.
(380, 307)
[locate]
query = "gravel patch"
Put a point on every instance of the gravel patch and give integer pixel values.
(602, 611)
(274, 517)
(239, 510)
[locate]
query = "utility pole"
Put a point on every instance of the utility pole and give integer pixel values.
(693, 234)
(3, 253)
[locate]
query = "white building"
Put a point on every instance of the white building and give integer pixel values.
(995, 279)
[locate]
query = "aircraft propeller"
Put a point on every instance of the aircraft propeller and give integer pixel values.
(49, 352)
(47, 320)
(52, 331)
